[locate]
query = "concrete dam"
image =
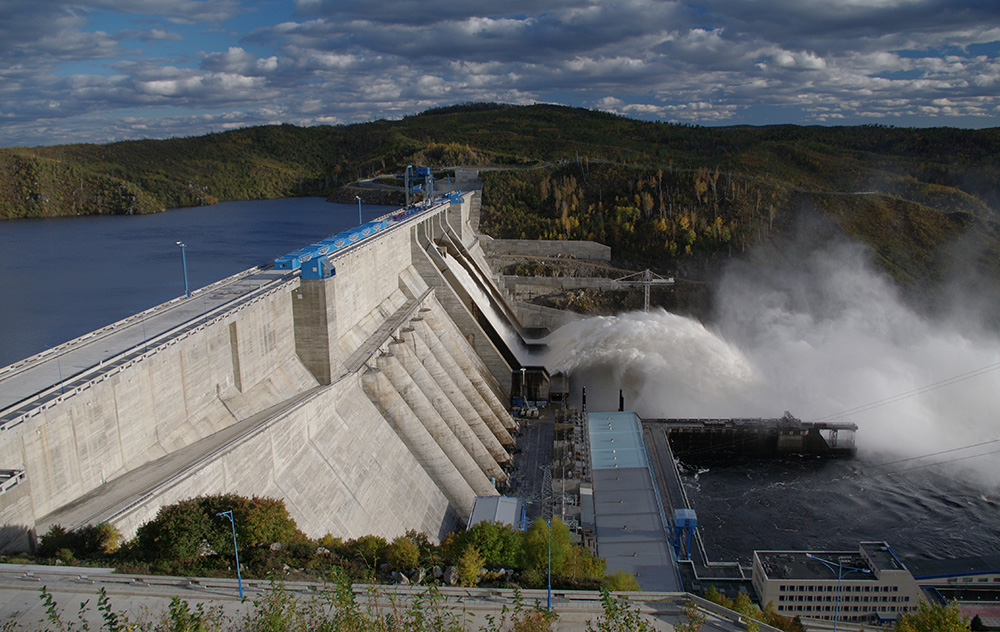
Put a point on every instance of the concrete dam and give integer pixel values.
(372, 401)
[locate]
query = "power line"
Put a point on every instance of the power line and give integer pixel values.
(913, 393)
(961, 458)
(924, 456)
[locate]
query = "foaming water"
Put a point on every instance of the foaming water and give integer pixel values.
(663, 362)
(822, 335)
(829, 340)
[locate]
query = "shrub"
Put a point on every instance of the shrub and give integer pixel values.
(621, 581)
(369, 549)
(402, 554)
(536, 545)
(469, 566)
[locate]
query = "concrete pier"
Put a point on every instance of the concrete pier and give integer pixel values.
(449, 377)
(424, 410)
(422, 444)
(430, 383)
(465, 356)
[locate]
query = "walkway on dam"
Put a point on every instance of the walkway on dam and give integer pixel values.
(45, 377)
(673, 496)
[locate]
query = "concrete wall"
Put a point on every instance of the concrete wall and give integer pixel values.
(547, 248)
(290, 370)
(338, 465)
(433, 269)
(175, 395)
(539, 318)
(524, 288)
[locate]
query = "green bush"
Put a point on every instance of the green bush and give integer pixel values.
(499, 544)
(402, 554)
(536, 546)
(87, 542)
(621, 581)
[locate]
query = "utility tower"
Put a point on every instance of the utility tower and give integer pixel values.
(646, 278)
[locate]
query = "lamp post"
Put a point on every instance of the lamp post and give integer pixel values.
(840, 575)
(358, 198)
(184, 262)
(62, 385)
(549, 522)
(239, 578)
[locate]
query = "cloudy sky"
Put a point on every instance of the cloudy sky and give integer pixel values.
(117, 69)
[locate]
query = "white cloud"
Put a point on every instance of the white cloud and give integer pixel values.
(929, 61)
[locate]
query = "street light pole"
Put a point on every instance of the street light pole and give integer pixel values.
(239, 577)
(840, 576)
(62, 385)
(184, 262)
(549, 522)
(358, 198)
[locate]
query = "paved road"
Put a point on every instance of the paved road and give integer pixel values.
(532, 480)
(143, 598)
(43, 378)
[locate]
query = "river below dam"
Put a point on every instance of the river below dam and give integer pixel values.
(823, 333)
(811, 503)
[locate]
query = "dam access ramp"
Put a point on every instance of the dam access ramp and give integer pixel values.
(370, 394)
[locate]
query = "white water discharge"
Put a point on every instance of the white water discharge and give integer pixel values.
(822, 335)
(486, 306)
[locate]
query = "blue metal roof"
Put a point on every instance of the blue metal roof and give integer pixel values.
(616, 440)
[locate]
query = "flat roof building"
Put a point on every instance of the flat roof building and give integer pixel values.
(629, 525)
(507, 510)
(867, 586)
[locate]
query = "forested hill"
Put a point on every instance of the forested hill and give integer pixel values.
(661, 194)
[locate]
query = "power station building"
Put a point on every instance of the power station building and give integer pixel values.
(868, 586)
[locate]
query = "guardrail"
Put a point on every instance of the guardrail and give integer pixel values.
(56, 394)
(23, 365)
(654, 603)
(10, 478)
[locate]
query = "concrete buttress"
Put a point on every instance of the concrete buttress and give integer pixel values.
(415, 399)
(432, 379)
(447, 336)
(422, 445)
(485, 422)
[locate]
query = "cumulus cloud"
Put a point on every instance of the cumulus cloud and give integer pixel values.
(713, 61)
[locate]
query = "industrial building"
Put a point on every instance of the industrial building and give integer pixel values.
(868, 586)
(624, 512)
(503, 509)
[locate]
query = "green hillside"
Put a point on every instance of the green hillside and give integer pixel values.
(673, 197)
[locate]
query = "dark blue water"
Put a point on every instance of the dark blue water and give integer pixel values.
(810, 503)
(63, 277)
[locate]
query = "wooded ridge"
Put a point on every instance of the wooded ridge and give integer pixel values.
(664, 195)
